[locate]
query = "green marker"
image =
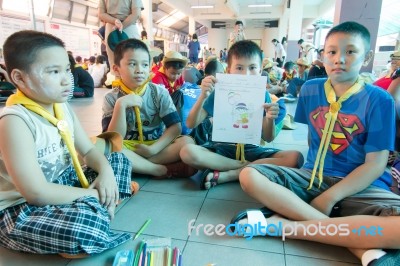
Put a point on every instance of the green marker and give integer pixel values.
(142, 229)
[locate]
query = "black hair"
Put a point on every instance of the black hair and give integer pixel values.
(128, 44)
(100, 59)
(78, 59)
(92, 59)
(274, 40)
(72, 62)
(194, 36)
(156, 59)
(245, 49)
(160, 57)
(238, 22)
(288, 65)
(143, 34)
(211, 67)
(352, 27)
(22, 47)
(174, 65)
(300, 41)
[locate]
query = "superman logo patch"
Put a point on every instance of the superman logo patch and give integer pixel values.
(346, 127)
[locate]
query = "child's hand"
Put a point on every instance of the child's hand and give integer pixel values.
(132, 100)
(207, 85)
(144, 150)
(271, 110)
(107, 187)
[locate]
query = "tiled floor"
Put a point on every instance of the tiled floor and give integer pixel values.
(171, 204)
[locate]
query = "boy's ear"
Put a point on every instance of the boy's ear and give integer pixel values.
(116, 69)
(17, 77)
(368, 58)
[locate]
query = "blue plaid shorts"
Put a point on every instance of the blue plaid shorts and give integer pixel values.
(80, 227)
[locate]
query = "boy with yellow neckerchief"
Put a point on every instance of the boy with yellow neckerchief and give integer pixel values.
(351, 130)
(138, 110)
(48, 204)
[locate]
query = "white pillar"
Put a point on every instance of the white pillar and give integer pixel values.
(283, 24)
(294, 32)
(192, 25)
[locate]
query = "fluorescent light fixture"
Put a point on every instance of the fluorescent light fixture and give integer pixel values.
(260, 12)
(207, 6)
(260, 5)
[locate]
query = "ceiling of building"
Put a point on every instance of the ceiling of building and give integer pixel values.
(173, 15)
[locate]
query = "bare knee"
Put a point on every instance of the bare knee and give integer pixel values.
(183, 140)
(293, 159)
(247, 179)
(297, 159)
(188, 154)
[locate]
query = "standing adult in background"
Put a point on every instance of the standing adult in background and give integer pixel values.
(194, 48)
(280, 53)
(307, 50)
(101, 32)
(237, 34)
(121, 15)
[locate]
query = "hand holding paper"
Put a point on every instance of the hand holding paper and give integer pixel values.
(271, 110)
(207, 85)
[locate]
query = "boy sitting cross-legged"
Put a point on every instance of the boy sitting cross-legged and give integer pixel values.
(219, 159)
(351, 130)
(138, 110)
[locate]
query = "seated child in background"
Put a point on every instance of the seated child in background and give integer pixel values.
(83, 82)
(295, 84)
(154, 64)
(317, 69)
(170, 75)
(289, 72)
(268, 71)
(219, 159)
(138, 110)
(44, 209)
(349, 114)
(98, 71)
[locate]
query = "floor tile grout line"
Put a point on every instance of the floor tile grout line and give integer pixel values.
(241, 248)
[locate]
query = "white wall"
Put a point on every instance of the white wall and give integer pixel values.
(218, 38)
(268, 47)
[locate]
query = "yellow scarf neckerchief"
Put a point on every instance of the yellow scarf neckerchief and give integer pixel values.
(240, 152)
(138, 91)
(289, 76)
(334, 109)
(57, 120)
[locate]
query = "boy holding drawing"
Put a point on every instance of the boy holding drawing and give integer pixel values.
(218, 159)
(44, 209)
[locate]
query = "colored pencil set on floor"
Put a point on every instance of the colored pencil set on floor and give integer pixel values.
(158, 256)
(151, 252)
(154, 252)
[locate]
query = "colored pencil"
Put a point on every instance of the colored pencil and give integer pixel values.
(142, 229)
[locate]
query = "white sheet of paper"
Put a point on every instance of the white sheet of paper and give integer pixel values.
(238, 108)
